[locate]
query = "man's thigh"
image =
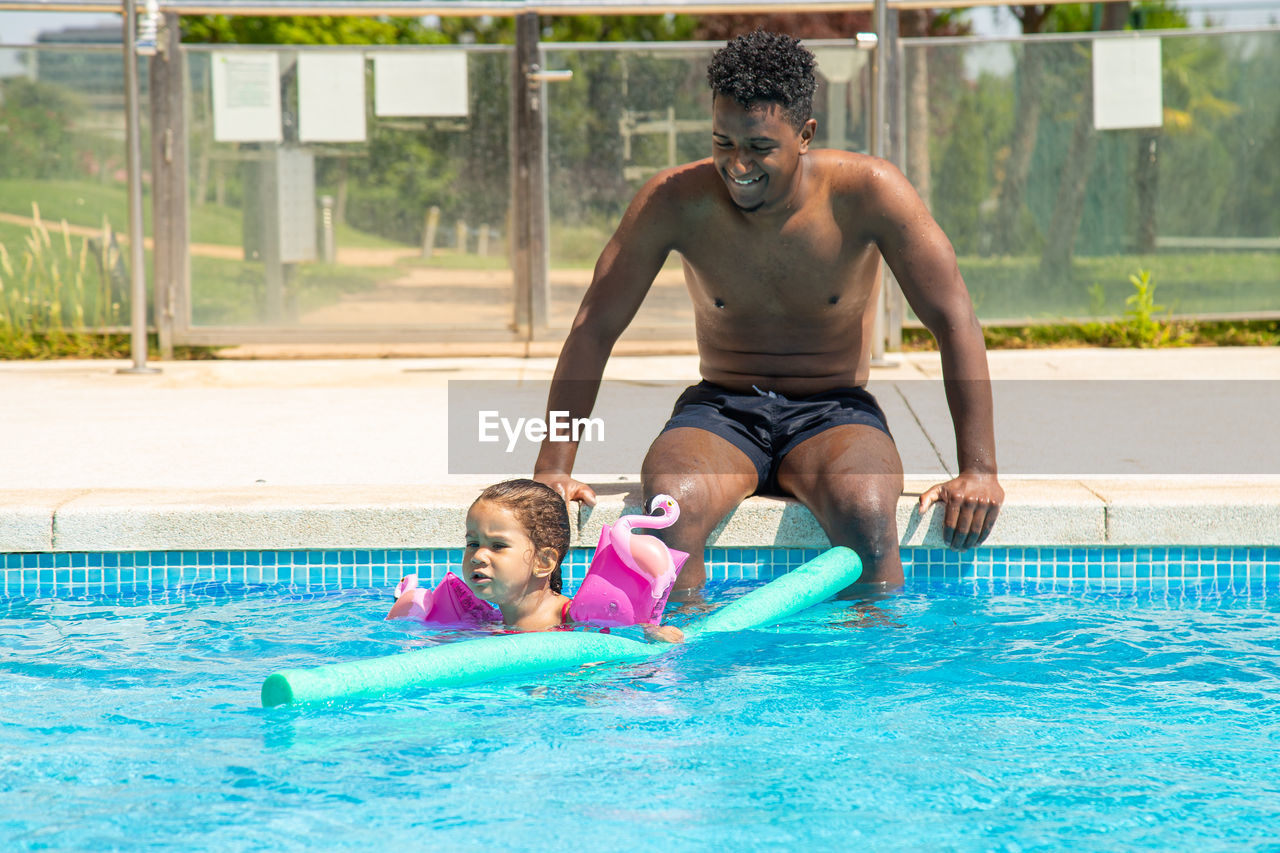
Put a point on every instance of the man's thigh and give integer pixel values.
(841, 452)
(706, 474)
(850, 477)
(708, 477)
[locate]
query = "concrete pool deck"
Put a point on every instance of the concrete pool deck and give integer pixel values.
(1097, 447)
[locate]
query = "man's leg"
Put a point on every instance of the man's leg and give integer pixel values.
(708, 477)
(850, 478)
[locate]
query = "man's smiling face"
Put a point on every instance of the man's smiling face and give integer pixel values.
(757, 151)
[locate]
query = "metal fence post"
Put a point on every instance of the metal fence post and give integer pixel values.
(529, 256)
(895, 303)
(133, 146)
(169, 182)
(880, 148)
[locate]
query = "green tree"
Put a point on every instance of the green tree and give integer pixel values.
(1196, 140)
(1252, 204)
(962, 180)
(303, 29)
(38, 121)
(1013, 227)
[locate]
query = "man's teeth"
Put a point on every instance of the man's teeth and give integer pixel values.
(749, 181)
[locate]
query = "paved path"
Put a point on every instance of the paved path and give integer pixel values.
(1083, 435)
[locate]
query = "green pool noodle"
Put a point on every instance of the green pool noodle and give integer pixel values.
(449, 665)
(811, 583)
(487, 658)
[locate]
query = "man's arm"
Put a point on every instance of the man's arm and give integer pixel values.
(623, 274)
(924, 262)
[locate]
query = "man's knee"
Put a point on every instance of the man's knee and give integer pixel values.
(702, 501)
(863, 511)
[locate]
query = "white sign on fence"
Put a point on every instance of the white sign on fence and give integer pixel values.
(420, 84)
(1126, 84)
(246, 97)
(331, 97)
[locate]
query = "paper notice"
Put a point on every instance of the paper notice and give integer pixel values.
(331, 97)
(1126, 84)
(246, 97)
(420, 84)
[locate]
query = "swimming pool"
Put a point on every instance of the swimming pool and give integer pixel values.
(1107, 710)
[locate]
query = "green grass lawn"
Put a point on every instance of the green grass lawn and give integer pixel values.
(1186, 283)
(85, 203)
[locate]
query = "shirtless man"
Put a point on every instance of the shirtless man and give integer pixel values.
(781, 247)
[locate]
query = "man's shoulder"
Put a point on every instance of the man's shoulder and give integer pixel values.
(683, 180)
(679, 191)
(848, 172)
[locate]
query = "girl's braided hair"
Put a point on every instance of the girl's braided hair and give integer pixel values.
(541, 512)
(764, 66)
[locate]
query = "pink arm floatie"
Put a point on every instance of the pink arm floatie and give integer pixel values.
(630, 576)
(450, 603)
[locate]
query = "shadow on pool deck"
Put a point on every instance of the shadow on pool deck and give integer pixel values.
(1126, 447)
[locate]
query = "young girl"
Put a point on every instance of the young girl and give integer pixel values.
(517, 535)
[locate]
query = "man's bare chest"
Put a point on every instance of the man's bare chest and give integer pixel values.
(803, 261)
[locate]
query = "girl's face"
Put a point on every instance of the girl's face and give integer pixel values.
(500, 564)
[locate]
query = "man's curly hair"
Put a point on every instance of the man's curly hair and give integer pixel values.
(764, 66)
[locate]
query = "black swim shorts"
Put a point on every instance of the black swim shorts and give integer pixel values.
(766, 426)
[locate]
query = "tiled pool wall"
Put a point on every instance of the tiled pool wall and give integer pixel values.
(93, 573)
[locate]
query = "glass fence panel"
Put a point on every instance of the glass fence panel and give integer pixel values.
(383, 202)
(1051, 216)
(630, 111)
(64, 241)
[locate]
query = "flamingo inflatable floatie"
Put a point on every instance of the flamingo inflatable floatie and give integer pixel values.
(630, 576)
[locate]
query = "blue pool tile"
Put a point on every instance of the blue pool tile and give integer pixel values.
(1223, 568)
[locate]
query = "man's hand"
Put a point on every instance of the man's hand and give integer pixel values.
(972, 502)
(567, 487)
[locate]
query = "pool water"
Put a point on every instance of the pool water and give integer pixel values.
(953, 716)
